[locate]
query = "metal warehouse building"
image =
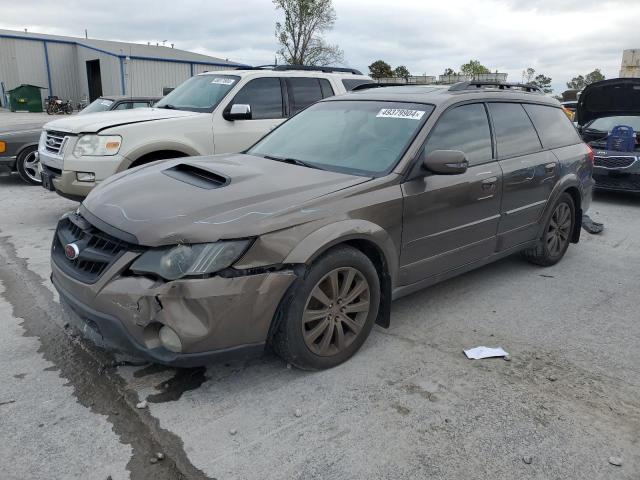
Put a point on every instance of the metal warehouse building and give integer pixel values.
(79, 68)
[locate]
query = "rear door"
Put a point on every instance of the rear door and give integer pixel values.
(452, 220)
(264, 95)
(529, 172)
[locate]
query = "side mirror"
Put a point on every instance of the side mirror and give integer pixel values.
(446, 162)
(238, 111)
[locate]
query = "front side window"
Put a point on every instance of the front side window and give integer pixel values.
(304, 92)
(358, 137)
(264, 95)
(466, 129)
(123, 106)
(515, 134)
(201, 93)
(553, 126)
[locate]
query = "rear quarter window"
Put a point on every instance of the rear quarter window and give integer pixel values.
(514, 131)
(553, 126)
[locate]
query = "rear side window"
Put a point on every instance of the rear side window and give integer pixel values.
(303, 92)
(327, 90)
(464, 128)
(553, 126)
(515, 134)
(350, 84)
(265, 97)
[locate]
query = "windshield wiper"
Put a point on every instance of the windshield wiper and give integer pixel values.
(293, 161)
(168, 106)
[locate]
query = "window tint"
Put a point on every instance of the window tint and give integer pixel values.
(304, 92)
(327, 90)
(464, 128)
(123, 106)
(265, 97)
(553, 126)
(351, 84)
(140, 104)
(515, 134)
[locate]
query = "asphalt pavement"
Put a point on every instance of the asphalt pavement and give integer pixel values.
(408, 405)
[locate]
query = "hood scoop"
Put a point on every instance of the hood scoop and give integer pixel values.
(197, 176)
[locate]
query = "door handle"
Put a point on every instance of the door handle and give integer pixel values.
(489, 183)
(550, 167)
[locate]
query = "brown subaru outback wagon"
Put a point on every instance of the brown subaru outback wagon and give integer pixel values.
(303, 241)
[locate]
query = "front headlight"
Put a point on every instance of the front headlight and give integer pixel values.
(97, 145)
(180, 261)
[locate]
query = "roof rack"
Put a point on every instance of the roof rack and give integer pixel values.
(478, 85)
(367, 86)
(304, 68)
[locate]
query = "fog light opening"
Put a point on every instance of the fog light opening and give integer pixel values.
(86, 176)
(169, 339)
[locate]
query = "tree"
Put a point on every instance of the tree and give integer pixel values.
(580, 82)
(448, 72)
(401, 72)
(300, 36)
(473, 67)
(595, 76)
(528, 75)
(380, 69)
(576, 83)
(543, 82)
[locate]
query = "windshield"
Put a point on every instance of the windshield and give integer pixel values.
(99, 105)
(201, 93)
(606, 124)
(358, 137)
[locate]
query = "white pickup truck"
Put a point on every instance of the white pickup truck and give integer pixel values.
(214, 112)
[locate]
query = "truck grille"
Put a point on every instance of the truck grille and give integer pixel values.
(97, 250)
(55, 141)
(614, 162)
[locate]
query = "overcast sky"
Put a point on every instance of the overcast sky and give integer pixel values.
(560, 38)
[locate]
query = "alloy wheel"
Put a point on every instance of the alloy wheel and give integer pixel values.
(559, 230)
(30, 167)
(336, 311)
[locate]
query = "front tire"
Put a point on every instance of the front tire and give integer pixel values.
(27, 166)
(332, 311)
(557, 234)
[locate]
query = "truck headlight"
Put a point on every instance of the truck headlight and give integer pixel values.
(97, 145)
(180, 261)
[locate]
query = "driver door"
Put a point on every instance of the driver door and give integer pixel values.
(264, 95)
(452, 220)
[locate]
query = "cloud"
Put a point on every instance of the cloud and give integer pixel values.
(560, 38)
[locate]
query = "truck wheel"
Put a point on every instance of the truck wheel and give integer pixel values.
(27, 166)
(557, 234)
(332, 311)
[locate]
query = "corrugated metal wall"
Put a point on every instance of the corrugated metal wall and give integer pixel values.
(64, 76)
(148, 77)
(23, 61)
(109, 71)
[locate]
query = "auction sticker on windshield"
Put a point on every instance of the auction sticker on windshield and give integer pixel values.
(400, 113)
(223, 81)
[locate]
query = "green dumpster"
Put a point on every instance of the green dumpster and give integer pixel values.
(25, 98)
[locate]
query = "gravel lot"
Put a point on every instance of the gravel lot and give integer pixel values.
(409, 405)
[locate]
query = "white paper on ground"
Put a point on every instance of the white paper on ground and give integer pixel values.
(478, 353)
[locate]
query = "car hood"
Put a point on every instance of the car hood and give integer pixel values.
(94, 122)
(618, 96)
(204, 199)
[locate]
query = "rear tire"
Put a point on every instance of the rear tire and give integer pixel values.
(556, 235)
(27, 166)
(331, 312)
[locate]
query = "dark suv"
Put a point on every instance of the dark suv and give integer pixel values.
(303, 240)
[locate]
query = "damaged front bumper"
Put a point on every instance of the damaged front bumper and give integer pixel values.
(215, 318)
